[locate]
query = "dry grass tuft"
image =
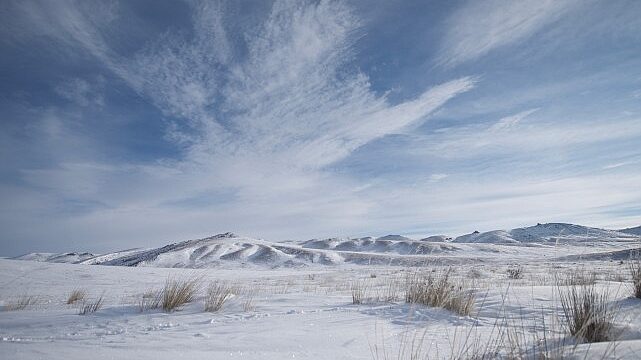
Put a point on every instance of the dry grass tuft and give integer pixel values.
(177, 293)
(76, 295)
(358, 289)
(577, 277)
(391, 290)
(21, 302)
(249, 302)
(439, 290)
(635, 271)
(150, 300)
(217, 294)
(89, 307)
(515, 272)
(587, 313)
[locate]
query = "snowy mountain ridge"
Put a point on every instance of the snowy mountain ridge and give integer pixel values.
(633, 230)
(545, 233)
(228, 248)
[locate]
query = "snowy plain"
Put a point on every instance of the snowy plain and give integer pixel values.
(294, 299)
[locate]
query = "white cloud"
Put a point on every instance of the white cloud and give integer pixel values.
(438, 177)
(514, 134)
(511, 121)
(457, 207)
(81, 91)
(615, 165)
(293, 99)
(482, 26)
(265, 119)
(267, 115)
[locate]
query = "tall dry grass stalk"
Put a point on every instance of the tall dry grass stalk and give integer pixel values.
(150, 300)
(217, 294)
(635, 271)
(359, 290)
(21, 303)
(89, 307)
(587, 313)
(509, 338)
(577, 278)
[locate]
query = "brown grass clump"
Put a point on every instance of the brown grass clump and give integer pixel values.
(587, 313)
(439, 290)
(515, 272)
(76, 295)
(176, 293)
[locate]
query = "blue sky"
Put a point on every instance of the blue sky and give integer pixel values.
(137, 123)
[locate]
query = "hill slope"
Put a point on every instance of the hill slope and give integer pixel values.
(541, 240)
(550, 233)
(633, 231)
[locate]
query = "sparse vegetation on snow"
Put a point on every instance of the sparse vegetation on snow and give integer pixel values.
(415, 300)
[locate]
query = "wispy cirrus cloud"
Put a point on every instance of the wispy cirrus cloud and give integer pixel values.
(479, 27)
(519, 134)
(274, 119)
(293, 98)
(259, 120)
(290, 87)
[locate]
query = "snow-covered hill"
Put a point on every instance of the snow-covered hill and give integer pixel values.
(437, 238)
(546, 234)
(229, 249)
(214, 250)
(490, 237)
(72, 257)
(633, 231)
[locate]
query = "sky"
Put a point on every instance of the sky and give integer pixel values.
(139, 123)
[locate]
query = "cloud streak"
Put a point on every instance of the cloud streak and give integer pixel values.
(292, 99)
(479, 27)
(276, 125)
(515, 134)
(260, 123)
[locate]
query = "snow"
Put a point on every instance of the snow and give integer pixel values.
(632, 231)
(437, 238)
(58, 258)
(301, 297)
(393, 237)
(543, 240)
(546, 233)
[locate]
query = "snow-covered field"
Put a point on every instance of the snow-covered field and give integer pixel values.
(295, 300)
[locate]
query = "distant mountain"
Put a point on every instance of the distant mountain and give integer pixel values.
(394, 237)
(229, 248)
(71, 257)
(393, 244)
(544, 233)
(490, 237)
(214, 250)
(633, 231)
(437, 238)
